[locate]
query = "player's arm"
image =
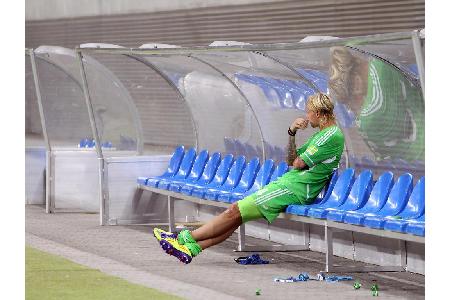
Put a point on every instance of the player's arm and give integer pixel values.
(299, 164)
(291, 152)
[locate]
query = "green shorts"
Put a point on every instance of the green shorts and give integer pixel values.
(266, 203)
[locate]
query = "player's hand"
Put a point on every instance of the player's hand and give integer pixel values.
(299, 123)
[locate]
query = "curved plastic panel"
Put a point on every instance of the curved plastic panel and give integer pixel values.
(275, 93)
(377, 95)
(217, 106)
(63, 103)
(34, 136)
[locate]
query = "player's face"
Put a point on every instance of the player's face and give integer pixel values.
(312, 117)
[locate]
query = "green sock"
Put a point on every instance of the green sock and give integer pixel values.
(185, 237)
(194, 248)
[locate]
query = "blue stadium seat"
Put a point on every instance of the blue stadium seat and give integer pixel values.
(183, 171)
(219, 178)
(357, 198)
(172, 169)
(417, 227)
(83, 143)
(413, 210)
(194, 175)
(279, 171)
(340, 191)
(339, 195)
(207, 175)
(247, 179)
(262, 178)
(395, 203)
(323, 195)
(231, 182)
(377, 198)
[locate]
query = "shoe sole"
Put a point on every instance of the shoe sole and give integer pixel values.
(171, 250)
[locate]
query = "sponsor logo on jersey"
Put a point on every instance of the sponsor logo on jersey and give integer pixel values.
(311, 150)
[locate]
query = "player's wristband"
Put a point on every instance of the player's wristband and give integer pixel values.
(290, 132)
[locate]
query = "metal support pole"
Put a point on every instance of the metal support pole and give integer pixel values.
(241, 237)
(418, 51)
(329, 251)
(103, 197)
(170, 207)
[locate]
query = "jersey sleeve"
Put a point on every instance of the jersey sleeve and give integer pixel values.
(326, 148)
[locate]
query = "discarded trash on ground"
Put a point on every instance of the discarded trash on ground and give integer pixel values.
(319, 277)
(253, 259)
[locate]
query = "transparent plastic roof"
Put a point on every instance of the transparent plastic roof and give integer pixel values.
(64, 105)
(242, 98)
(34, 136)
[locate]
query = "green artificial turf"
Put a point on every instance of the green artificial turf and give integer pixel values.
(52, 277)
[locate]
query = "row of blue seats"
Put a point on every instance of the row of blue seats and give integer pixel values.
(226, 178)
(382, 204)
(90, 143)
(291, 94)
(236, 147)
(361, 201)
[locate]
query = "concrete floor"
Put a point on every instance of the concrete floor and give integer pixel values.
(131, 252)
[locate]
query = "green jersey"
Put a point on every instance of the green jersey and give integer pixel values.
(322, 153)
(392, 115)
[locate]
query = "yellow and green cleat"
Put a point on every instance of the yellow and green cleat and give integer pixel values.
(162, 234)
(172, 247)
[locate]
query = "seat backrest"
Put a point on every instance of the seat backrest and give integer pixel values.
(263, 176)
(186, 164)
(248, 176)
(279, 171)
(416, 203)
(235, 173)
(327, 189)
(222, 171)
(359, 194)
(175, 161)
(341, 189)
(198, 166)
(398, 196)
(210, 169)
(379, 193)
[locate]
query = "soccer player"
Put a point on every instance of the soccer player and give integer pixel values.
(389, 108)
(313, 163)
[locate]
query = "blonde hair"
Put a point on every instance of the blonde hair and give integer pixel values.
(342, 69)
(322, 104)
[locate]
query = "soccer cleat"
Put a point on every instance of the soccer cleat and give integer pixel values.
(162, 234)
(172, 247)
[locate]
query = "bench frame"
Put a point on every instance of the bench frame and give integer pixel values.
(329, 226)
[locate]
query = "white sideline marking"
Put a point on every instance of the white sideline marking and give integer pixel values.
(129, 273)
